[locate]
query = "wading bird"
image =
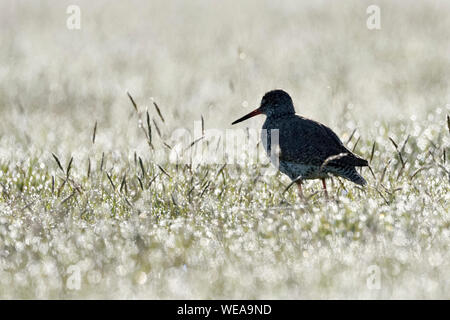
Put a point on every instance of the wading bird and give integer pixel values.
(306, 149)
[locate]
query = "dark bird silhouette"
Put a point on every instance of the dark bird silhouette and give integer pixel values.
(306, 149)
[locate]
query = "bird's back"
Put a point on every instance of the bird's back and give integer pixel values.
(307, 142)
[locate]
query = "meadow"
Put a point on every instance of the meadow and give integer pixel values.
(93, 205)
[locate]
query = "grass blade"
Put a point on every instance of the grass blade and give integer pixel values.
(110, 180)
(124, 183)
(94, 133)
(132, 101)
(373, 152)
(448, 123)
(351, 136)
(141, 164)
(69, 166)
(157, 128)
(393, 142)
(89, 168)
(58, 162)
(163, 171)
(102, 162)
(356, 143)
(149, 128)
(158, 111)
(203, 125)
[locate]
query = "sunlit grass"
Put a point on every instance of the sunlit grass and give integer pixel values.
(191, 232)
(84, 189)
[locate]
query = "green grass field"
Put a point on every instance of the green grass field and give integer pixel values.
(91, 205)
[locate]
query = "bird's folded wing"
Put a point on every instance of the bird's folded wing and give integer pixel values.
(309, 142)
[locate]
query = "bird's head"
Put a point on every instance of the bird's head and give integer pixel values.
(273, 103)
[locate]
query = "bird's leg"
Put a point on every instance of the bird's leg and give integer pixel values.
(325, 188)
(299, 186)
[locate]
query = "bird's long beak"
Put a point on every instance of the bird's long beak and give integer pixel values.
(247, 116)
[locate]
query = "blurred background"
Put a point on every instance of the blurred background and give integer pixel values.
(215, 60)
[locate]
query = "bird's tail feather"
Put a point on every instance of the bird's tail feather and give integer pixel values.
(358, 179)
(349, 173)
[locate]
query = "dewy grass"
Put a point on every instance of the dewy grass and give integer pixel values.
(125, 236)
(87, 209)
